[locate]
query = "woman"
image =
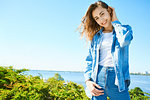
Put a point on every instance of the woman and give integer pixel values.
(107, 70)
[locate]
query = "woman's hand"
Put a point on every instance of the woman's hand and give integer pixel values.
(91, 86)
(114, 17)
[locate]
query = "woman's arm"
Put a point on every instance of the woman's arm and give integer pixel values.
(88, 68)
(124, 33)
(87, 74)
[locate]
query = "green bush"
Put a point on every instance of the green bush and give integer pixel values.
(60, 90)
(138, 94)
(15, 86)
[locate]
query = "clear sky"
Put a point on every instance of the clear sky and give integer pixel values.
(40, 34)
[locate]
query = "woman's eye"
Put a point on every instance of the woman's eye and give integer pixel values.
(96, 18)
(102, 14)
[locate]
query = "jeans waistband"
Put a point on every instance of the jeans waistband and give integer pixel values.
(107, 68)
(110, 68)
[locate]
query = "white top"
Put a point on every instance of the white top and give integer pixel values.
(105, 50)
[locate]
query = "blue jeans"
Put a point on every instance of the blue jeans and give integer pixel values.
(106, 79)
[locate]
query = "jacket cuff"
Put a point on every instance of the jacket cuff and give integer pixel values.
(116, 22)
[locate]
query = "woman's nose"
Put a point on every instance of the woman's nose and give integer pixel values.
(101, 19)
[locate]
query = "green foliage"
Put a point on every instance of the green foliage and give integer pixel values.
(15, 86)
(9, 76)
(138, 94)
(58, 77)
(61, 90)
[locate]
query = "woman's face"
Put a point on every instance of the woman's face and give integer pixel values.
(102, 16)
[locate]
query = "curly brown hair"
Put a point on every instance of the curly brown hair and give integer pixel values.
(88, 25)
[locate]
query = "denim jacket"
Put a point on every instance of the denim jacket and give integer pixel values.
(122, 36)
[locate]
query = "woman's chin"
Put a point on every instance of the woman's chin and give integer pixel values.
(107, 25)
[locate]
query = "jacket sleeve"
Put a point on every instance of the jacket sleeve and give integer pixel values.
(89, 61)
(124, 33)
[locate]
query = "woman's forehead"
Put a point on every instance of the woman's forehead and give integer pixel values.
(98, 10)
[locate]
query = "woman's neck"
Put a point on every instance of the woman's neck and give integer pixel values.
(108, 29)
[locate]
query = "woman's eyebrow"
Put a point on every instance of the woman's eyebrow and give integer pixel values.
(99, 14)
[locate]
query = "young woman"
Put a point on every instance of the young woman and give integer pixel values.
(107, 70)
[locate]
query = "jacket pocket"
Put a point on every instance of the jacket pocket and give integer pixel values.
(127, 83)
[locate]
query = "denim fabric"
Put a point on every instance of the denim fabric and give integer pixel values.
(122, 36)
(106, 79)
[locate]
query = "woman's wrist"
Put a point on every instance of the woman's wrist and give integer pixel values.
(88, 80)
(114, 19)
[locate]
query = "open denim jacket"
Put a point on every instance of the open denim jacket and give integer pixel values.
(122, 36)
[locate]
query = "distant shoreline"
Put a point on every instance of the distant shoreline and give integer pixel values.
(140, 74)
(83, 72)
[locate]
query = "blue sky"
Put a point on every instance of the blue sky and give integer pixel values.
(40, 34)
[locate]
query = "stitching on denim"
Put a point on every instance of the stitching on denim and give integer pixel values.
(105, 77)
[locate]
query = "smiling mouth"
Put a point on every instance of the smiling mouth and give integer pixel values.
(104, 22)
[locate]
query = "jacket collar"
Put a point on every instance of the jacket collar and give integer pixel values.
(101, 30)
